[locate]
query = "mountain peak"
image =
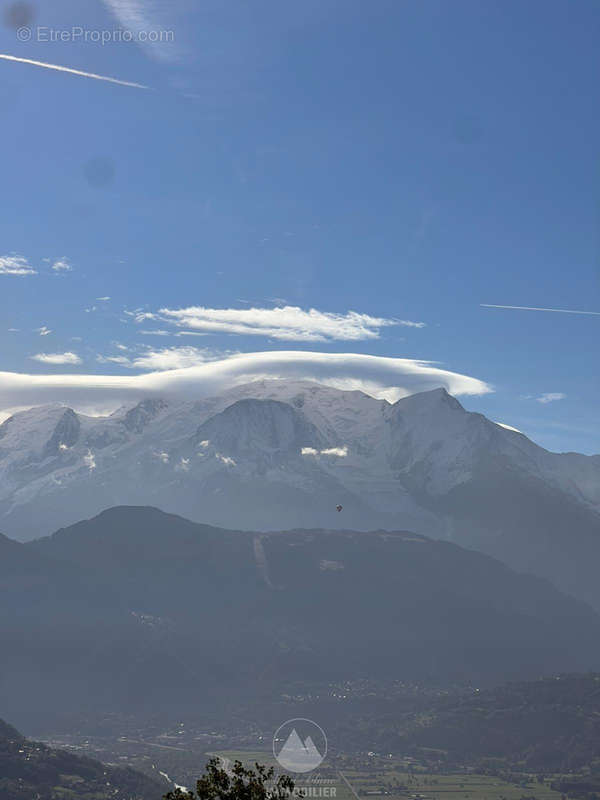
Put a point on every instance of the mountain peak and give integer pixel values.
(65, 433)
(253, 424)
(429, 400)
(136, 419)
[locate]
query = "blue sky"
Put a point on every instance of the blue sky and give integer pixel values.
(404, 161)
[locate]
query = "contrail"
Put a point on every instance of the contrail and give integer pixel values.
(59, 68)
(532, 308)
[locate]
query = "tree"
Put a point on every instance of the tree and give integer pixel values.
(238, 784)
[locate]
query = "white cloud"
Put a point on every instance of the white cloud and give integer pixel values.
(309, 451)
(62, 265)
(285, 322)
(170, 358)
(57, 358)
(550, 397)
(90, 460)
(166, 358)
(43, 331)
(103, 299)
(15, 265)
(383, 377)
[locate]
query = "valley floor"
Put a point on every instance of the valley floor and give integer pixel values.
(181, 755)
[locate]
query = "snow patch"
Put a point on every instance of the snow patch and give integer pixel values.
(508, 427)
(90, 460)
(340, 452)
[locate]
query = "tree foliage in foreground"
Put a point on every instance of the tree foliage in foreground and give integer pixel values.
(238, 784)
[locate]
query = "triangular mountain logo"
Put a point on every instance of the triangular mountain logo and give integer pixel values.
(297, 755)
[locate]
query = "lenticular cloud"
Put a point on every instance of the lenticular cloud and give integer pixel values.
(389, 378)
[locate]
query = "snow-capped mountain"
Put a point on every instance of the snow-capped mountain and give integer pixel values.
(284, 454)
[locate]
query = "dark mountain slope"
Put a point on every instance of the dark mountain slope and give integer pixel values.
(182, 612)
(33, 771)
(551, 724)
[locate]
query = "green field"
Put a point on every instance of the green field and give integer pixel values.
(437, 787)
(378, 777)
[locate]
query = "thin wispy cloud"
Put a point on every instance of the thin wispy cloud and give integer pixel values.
(62, 265)
(122, 361)
(15, 265)
(171, 358)
(533, 308)
(289, 323)
(383, 377)
(80, 73)
(130, 13)
(57, 358)
(142, 17)
(550, 397)
(163, 359)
